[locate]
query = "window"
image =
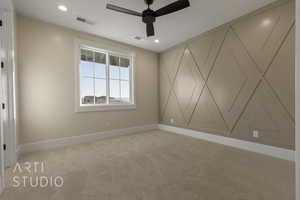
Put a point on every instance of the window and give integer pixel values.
(105, 80)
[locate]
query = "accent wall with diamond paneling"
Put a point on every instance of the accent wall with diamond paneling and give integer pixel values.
(236, 80)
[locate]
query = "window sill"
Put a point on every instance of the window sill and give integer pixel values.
(111, 107)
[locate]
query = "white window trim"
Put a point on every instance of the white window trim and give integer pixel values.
(78, 43)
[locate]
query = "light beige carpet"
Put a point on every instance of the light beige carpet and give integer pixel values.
(158, 166)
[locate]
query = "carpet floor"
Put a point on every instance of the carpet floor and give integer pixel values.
(154, 165)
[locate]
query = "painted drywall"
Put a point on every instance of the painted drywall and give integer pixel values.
(236, 80)
(46, 65)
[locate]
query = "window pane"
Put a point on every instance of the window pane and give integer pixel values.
(90, 55)
(100, 70)
(100, 91)
(124, 73)
(114, 72)
(86, 68)
(94, 75)
(114, 60)
(125, 91)
(83, 53)
(100, 58)
(87, 90)
(124, 62)
(114, 91)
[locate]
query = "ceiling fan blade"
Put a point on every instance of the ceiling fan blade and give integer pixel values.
(123, 10)
(150, 30)
(173, 7)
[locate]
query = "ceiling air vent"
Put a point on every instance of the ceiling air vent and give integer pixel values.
(138, 38)
(83, 20)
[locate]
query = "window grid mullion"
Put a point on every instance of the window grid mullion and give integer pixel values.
(94, 77)
(120, 79)
(107, 79)
(130, 81)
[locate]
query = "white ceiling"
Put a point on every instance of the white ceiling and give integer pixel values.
(170, 30)
(6, 4)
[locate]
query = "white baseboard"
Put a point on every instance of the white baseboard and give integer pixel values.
(1, 187)
(249, 146)
(61, 142)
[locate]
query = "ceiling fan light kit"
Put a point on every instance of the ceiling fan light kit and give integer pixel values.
(149, 16)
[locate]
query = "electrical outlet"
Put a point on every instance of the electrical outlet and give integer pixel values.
(172, 121)
(256, 134)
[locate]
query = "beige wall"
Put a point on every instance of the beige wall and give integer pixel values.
(235, 80)
(46, 65)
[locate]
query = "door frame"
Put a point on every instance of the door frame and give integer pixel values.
(8, 85)
(10, 137)
(1, 138)
(297, 74)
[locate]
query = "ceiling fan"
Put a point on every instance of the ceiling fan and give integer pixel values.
(148, 15)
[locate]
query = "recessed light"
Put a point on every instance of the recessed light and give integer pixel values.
(266, 22)
(62, 8)
(156, 40)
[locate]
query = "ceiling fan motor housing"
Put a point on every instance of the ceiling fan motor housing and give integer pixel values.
(149, 2)
(148, 16)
